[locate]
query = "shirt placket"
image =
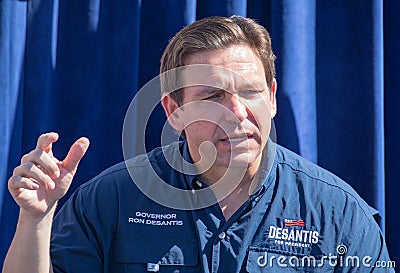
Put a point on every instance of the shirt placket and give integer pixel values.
(216, 254)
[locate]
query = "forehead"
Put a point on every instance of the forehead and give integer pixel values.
(227, 68)
(226, 57)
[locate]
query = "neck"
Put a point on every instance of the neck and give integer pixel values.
(226, 181)
(232, 193)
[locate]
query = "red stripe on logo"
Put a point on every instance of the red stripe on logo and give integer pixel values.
(293, 223)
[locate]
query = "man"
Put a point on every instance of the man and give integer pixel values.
(245, 204)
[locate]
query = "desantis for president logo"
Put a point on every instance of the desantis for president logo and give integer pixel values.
(293, 233)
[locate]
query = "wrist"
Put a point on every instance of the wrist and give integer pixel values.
(26, 216)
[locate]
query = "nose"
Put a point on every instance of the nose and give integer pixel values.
(236, 110)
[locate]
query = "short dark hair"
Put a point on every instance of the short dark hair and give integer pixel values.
(214, 33)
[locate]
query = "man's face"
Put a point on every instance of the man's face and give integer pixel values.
(232, 111)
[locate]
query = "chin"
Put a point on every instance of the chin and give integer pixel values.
(241, 160)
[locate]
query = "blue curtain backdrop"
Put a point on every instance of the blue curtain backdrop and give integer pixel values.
(74, 66)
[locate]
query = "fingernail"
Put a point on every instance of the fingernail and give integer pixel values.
(51, 185)
(57, 173)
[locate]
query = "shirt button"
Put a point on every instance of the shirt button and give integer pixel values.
(199, 184)
(222, 235)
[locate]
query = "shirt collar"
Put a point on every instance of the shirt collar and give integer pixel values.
(266, 165)
(190, 172)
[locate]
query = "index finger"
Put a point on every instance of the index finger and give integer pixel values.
(75, 154)
(45, 141)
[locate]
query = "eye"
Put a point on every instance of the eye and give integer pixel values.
(214, 96)
(249, 93)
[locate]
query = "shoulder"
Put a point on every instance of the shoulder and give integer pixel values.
(326, 205)
(318, 184)
(144, 165)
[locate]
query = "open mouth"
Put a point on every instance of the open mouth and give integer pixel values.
(237, 138)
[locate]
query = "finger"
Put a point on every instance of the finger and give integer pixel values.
(75, 154)
(30, 170)
(18, 182)
(45, 141)
(42, 159)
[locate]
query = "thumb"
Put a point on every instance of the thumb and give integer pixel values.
(75, 154)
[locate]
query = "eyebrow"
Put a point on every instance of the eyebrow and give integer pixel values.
(256, 86)
(205, 90)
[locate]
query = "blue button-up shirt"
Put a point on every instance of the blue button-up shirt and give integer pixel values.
(299, 218)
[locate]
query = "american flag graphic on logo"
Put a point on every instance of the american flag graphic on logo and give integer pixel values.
(294, 223)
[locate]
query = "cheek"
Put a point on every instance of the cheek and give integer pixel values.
(263, 108)
(259, 115)
(201, 130)
(265, 129)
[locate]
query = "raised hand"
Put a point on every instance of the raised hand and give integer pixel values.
(41, 179)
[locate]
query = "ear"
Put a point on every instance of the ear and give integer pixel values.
(272, 97)
(172, 111)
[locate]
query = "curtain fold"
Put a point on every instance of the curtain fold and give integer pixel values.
(171, 16)
(391, 42)
(293, 37)
(74, 66)
(349, 94)
(12, 52)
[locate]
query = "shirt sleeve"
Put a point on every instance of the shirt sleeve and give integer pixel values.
(367, 252)
(74, 243)
(83, 229)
